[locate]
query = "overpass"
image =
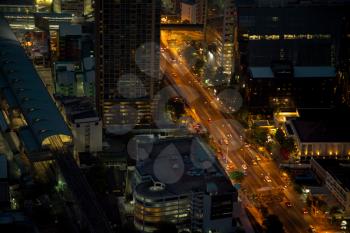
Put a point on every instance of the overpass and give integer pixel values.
(29, 111)
(182, 27)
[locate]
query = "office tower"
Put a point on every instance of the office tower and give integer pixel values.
(220, 31)
(299, 47)
(127, 60)
(227, 44)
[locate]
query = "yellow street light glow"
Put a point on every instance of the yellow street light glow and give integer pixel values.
(43, 2)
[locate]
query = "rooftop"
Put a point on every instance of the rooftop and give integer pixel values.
(77, 108)
(323, 125)
(183, 166)
(25, 89)
(298, 72)
(338, 169)
(17, 2)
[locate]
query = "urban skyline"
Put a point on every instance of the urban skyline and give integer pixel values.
(191, 116)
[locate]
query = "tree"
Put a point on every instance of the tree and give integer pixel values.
(298, 188)
(220, 77)
(237, 176)
(273, 224)
(259, 135)
(286, 143)
(289, 145)
(280, 136)
(198, 65)
(208, 74)
(177, 106)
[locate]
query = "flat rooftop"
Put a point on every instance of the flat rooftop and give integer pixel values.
(323, 125)
(24, 90)
(77, 108)
(298, 72)
(338, 169)
(184, 166)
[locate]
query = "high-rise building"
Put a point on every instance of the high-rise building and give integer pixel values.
(304, 40)
(127, 60)
(221, 32)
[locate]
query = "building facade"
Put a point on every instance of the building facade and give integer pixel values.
(84, 122)
(194, 11)
(285, 85)
(334, 175)
(127, 71)
(301, 33)
(321, 133)
(221, 31)
(188, 12)
(202, 199)
(75, 7)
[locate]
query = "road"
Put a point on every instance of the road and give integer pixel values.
(264, 179)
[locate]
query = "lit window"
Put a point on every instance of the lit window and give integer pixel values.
(274, 19)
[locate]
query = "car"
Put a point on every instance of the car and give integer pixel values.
(288, 204)
(305, 211)
(267, 179)
(244, 166)
(209, 120)
(258, 158)
(229, 166)
(255, 162)
(226, 141)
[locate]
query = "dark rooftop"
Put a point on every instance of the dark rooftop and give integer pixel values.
(323, 125)
(17, 2)
(184, 165)
(77, 107)
(25, 90)
(338, 169)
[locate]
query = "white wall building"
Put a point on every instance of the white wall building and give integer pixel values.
(84, 122)
(189, 12)
(314, 138)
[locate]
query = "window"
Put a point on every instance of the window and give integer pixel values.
(274, 19)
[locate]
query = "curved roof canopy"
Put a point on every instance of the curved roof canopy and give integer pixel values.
(37, 106)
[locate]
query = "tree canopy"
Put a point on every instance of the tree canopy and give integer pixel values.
(237, 176)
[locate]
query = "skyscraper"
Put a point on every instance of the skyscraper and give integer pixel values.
(127, 59)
